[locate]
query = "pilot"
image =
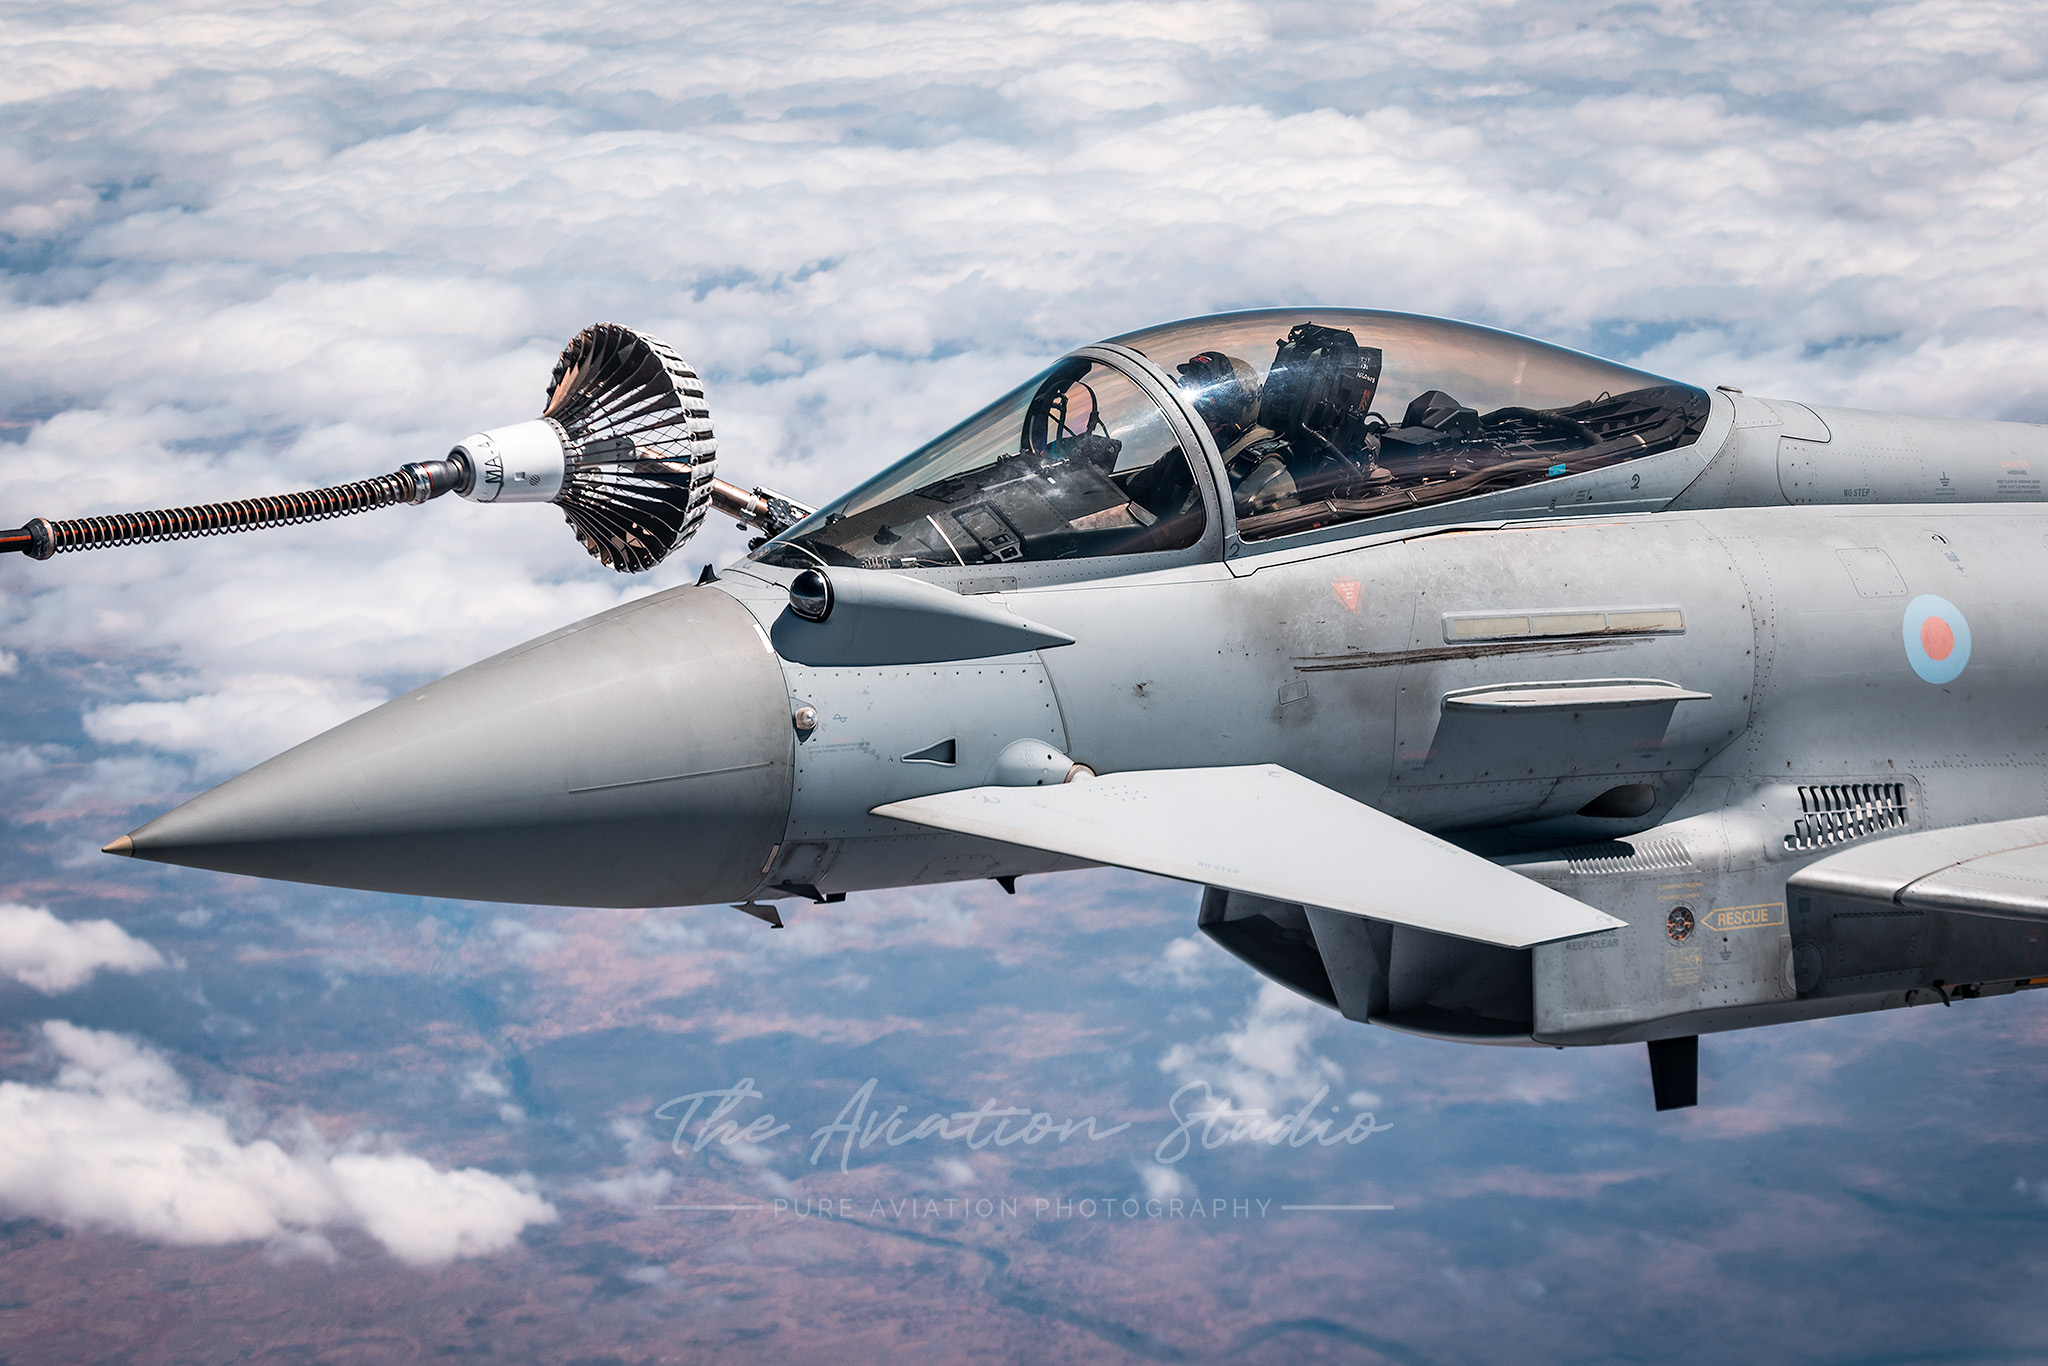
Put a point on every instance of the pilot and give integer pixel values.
(1224, 392)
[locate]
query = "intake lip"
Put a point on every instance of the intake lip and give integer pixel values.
(642, 757)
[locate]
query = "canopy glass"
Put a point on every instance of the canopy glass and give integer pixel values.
(1078, 462)
(1331, 415)
(1320, 416)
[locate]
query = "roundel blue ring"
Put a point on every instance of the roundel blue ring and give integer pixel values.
(1926, 665)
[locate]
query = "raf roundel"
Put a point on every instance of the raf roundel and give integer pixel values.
(1937, 638)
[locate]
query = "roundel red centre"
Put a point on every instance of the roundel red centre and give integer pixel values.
(1938, 638)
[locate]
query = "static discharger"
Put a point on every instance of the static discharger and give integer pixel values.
(623, 446)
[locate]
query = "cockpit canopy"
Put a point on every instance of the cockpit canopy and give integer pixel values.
(1314, 417)
(1335, 415)
(1079, 462)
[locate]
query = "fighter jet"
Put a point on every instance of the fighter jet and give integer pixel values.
(1490, 691)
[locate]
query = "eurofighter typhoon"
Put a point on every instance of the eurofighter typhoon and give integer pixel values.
(1491, 692)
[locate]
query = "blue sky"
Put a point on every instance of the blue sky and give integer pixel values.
(254, 247)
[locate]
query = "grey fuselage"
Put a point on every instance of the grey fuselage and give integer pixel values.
(648, 756)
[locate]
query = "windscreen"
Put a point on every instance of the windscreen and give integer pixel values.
(1078, 462)
(1332, 415)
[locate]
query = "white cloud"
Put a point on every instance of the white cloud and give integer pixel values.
(427, 1216)
(245, 723)
(1165, 1183)
(119, 1143)
(284, 250)
(1183, 963)
(52, 955)
(22, 761)
(521, 939)
(302, 1245)
(863, 221)
(1268, 1060)
(634, 1189)
(483, 1080)
(666, 933)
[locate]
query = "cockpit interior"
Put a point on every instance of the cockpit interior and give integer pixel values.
(1308, 418)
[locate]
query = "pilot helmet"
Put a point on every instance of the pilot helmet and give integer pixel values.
(1223, 389)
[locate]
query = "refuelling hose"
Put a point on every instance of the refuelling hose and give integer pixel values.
(411, 483)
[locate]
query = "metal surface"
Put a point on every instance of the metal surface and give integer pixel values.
(523, 463)
(640, 451)
(1732, 733)
(765, 510)
(872, 618)
(1998, 869)
(1269, 833)
(41, 538)
(1590, 694)
(1033, 763)
(640, 758)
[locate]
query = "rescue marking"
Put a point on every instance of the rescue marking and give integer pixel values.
(1744, 917)
(1348, 591)
(1937, 638)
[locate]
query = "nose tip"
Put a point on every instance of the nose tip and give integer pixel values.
(639, 758)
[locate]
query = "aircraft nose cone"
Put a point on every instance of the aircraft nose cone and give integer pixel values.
(639, 758)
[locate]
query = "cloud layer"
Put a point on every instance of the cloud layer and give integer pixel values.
(253, 253)
(1267, 1060)
(117, 1142)
(52, 955)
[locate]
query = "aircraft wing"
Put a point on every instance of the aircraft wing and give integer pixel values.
(1999, 869)
(1269, 832)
